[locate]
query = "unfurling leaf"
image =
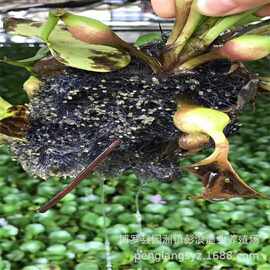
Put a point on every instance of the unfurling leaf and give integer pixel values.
(219, 178)
(90, 30)
(71, 51)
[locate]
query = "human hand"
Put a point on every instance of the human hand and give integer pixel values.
(237, 49)
(166, 8)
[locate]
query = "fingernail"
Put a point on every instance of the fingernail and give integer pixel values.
(216, 8)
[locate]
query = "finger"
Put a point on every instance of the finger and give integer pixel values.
(265, 11)
(164, 8)
(246, 48)
(227, 7)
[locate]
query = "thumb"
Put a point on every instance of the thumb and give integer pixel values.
(164, 8)
(227, 7)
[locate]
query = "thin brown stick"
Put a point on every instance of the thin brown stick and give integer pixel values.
(84, 174)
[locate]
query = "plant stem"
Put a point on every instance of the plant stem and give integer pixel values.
(260, 28)
(17, 64)
(138, 213)
(107, 242)
(198, 44)
(48, 26)
(222, 25)
(174, 50)
(182, 11)
(192, 22)
(206, 24)
(199, 60)
(139, 217)
(195, 47)
(149, 60)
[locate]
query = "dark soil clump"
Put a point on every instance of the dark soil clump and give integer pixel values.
(77, 114)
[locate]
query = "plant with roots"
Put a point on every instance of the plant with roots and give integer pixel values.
(176, 70)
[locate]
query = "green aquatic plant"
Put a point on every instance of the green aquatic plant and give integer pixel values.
(178, 63)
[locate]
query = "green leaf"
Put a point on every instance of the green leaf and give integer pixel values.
(265, 266)
(213, 248)
(28, 62)
(221, 206)
(264, 233)
(34, 229)
(261, 67)
(118, 229)
(79, 246)
(70, 51)
(8, 231)
(89, 57)
(238, 216)
(41, 53)
(185, 212)
(172, 266)
(266, 250)
(5, 265)
(245, 259)
(4, 109)
(22, 27)
(148, 38)
(32, 246)
(56, 250)
(173, 223)
(156, 208)
(86, 266)
(60, 236)
(103, 222)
